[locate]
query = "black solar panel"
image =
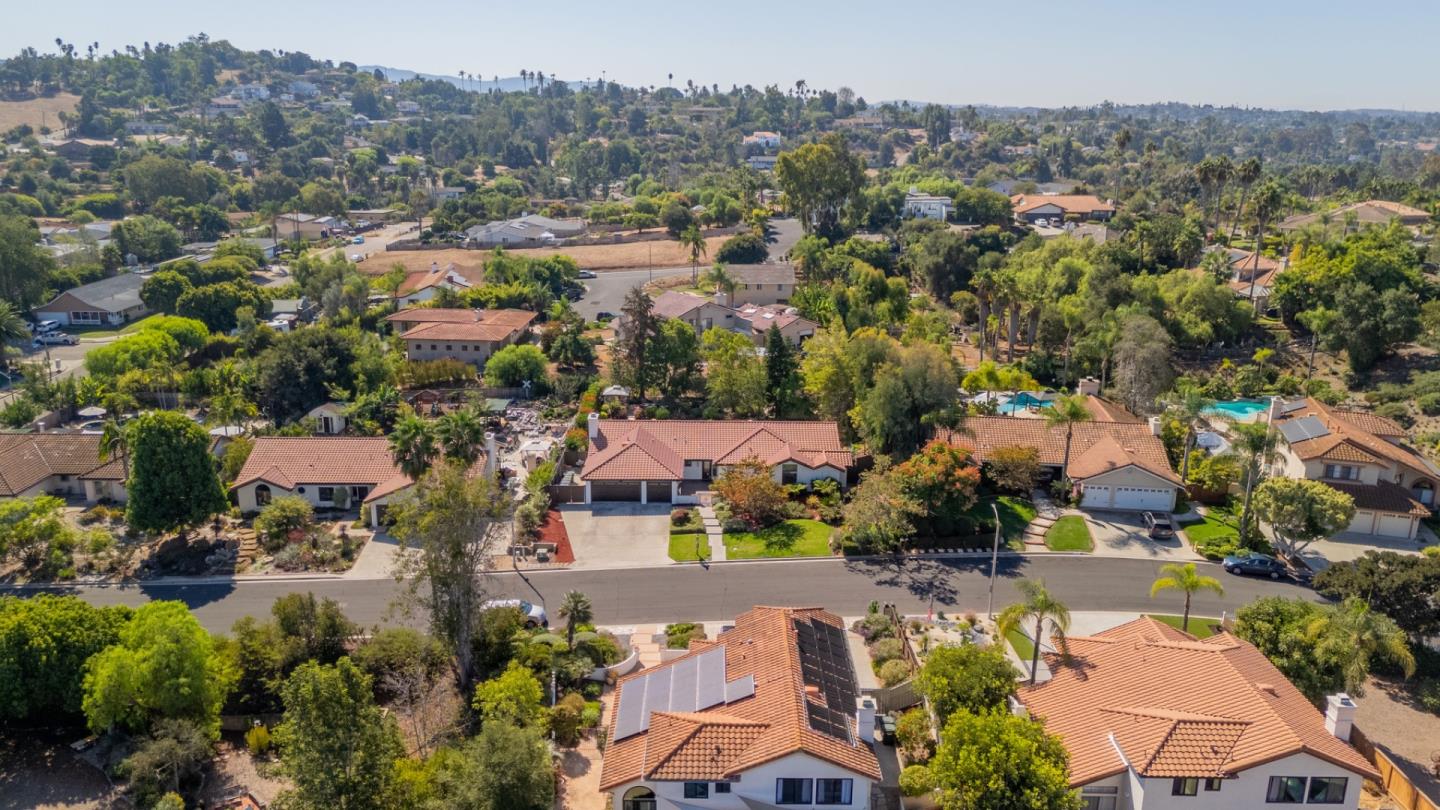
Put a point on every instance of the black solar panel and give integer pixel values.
(825, 664)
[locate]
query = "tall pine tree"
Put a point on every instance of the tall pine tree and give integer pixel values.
(782, 374)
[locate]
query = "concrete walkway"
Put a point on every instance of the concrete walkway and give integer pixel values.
(1046, 513)
(714, 533)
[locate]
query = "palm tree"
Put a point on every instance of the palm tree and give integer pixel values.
(412, 445)
(575, 609)
(1188, 406)
(1247, 173)
(691, 238)
(1255, 445)
(1067, 411)
(1038, 606)
(1184, 578)
(1266, 205)
(723, 281)
(113, 443)
(461, 434)
(1353, 634)
(1319, 321)
(12, 326)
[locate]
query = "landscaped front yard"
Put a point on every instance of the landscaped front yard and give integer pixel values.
(792, 538)
(1015, 514)
(1070, 533)
(1215, 535)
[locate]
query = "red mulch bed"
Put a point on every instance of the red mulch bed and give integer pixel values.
(553, 531)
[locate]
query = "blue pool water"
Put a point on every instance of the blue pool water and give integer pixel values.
(1021, 402)
(1239, 408)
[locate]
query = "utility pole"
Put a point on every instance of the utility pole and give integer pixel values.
(994, 560)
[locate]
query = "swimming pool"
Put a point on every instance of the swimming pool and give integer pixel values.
(1240, 409)
(1022, 402)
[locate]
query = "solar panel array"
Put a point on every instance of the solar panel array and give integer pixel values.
(1292, 406)
(1306, 427)
(825, 664)
(691, 684)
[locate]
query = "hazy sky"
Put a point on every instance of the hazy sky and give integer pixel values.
(1310, 54)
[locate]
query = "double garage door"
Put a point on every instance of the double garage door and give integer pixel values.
(1128, 498)
(658, 491)
(1386, 525)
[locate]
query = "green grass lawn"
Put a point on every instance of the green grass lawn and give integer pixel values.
(1199, 625)
(1215, 536)
(1015, 514)
(1024, 648)
(793, 538)
(682, 547)
(1069, 534)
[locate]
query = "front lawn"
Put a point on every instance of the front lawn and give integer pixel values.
(1024, 647)
(1200, 626)
(682, 547)
(106, 331)
(1215, 536)
(1070, 533)
(1015, 514)
(793, 538)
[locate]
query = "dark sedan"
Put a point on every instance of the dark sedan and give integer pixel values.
(1262, 565)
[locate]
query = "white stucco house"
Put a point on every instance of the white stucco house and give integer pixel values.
(329, 417)
(670, 461)
(66, 465)
(746, 722)
(928, 206)
(1154, 719)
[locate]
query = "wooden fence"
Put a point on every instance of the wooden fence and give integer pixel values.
(1397, 785)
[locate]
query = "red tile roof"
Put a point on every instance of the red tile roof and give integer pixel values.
(1069, 203)
(291, 461)
(433, 323)
(1128, 443)
(27, 459)
(1177, 706)
(722, 742)
(1350, 427)
(653, 450)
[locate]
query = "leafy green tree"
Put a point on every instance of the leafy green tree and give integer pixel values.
(170, 760)
(337, 746)
(513, 697)
(1280, 628)
(752, 492)
(1401, 586)
(1375, 323)
(944, 478)
(966, 676)
(313, 629)
(880, 515)
(216, 305)
(1014, 468)
(514, 365)
(503, 768)
(162, 291)
(1184, 578)
(45, 641)
(302, 368)
(821, 183)
(1300, 511)
(744, 248)
(25, 267)
(172, 482)
(1354, 635)
(782, 374)
(164, 666)
(1038, 606)
(997, 761)
(147, 238)
(633, 350)
(460, 435)
(735, 376)
(35, 532)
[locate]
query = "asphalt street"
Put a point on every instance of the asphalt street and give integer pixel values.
(721, 591)
(606, 292)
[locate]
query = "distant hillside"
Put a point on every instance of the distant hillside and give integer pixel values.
(507, 84)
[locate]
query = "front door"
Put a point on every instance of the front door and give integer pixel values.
(705, 470)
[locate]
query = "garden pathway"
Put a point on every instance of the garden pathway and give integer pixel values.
(714, 533)
(1046, 513)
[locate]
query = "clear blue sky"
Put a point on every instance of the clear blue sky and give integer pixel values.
(1305, 54)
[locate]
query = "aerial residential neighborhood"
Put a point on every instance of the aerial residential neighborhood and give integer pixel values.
(841, 427)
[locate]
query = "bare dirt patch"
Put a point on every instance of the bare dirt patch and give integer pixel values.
(38, 770)
(630, 256)
(37, 112)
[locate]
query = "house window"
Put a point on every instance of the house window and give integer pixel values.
(1286, 790)
(832, 791)
(792, 791)
(697, 790)
(1184, 786)
(1341, 472)
(448, 347)
(433, 347)
(326, 494)
(789, 473)
(1099, 797)
(358, 494)
(1213, 784)
(722, 787)
(1326, 790)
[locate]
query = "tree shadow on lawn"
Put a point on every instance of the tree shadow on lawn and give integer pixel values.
(781, 538)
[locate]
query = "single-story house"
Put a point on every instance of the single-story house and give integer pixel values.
(1154, 719)
(768, 714)
(1031, 207)
(63, 464)
(307, 226)
(330, 418)
(424, 285)
(761, 283)
(471, 335)
(1361, 454)
(1368, 212)
(1116, 465)
(671, 460)
(763, 140)
(928, 206)
(793, 327)
(527, 230)
(762, 163)
(108, 302)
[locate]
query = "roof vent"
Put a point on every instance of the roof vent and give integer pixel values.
(1268, 688)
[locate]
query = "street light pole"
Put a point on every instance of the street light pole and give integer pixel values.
(994, 560)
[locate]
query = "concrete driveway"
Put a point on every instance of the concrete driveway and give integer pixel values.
(618, 535)
(1122, 534)
(1346, 546)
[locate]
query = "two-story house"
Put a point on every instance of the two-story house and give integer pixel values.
(471, 335)
(760, 284)
(767, 715)
(928, 206)
(1360, 454)
(751, 320)
(1154, 719)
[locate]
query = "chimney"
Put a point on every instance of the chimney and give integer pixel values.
(1088, 386)
(1017, 708)
(1155, 425)
(594, 423)
(865, 717)
(1339, 715)
(492, 455)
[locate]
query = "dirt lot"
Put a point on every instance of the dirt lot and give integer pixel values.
(666, 253)
(37, 112)
(38, 770)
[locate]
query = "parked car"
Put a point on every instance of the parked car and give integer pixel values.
(1256, 564)
(54, 339)
(42, 327)
(587, 274)
(534, 614)
(1159, 526)
(604, 316)
(359, 240)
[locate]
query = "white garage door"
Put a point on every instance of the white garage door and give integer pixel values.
(1393, 526)
(1140, 498)
(1362, 523)
(1095, 498)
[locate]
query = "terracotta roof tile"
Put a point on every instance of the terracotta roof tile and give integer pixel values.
(289, 461)
(1177, 706)
(1103, 410)
(628, 450)
(1382, 497)
(1351, 427)
(1069, 203)
(27, 459)
(1107, 454)
(982, 435)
